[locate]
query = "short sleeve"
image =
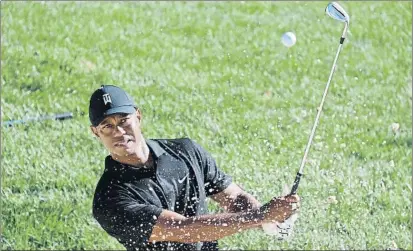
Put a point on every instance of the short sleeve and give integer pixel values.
(215, 180)
(125, 218)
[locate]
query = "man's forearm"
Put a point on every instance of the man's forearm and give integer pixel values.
(208, 227)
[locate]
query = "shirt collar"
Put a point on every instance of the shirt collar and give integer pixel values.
(155, 147)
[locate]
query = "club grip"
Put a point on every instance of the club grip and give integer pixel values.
(63, 116)
(296, 182)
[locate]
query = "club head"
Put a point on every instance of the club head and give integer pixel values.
(337, 12)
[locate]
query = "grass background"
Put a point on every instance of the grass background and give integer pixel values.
(218, 73)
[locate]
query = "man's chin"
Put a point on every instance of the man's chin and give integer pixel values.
(127, 152)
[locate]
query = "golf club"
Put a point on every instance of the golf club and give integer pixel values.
(60, 116)
(335, 11)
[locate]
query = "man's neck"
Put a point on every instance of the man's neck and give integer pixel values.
(141, 158)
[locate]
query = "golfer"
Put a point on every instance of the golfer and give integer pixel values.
(152, 193)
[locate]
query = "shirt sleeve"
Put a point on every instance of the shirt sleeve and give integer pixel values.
(124, 218)
(214, 179)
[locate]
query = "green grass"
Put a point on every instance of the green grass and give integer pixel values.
(218, 73)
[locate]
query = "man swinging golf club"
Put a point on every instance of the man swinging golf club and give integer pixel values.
(152, 193)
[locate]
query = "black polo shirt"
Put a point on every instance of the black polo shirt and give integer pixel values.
(128, 200)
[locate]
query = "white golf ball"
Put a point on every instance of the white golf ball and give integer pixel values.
(288, 39)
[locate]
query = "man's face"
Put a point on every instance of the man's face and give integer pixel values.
(120, 133)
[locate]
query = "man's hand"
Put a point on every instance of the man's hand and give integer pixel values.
(280, 208)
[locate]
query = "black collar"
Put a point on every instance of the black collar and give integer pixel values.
(155, 147)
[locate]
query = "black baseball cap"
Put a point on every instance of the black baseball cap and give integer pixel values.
(108, 100)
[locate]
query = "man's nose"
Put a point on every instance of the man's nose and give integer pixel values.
(120, 129)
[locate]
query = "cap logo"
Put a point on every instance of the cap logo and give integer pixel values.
(106, 98)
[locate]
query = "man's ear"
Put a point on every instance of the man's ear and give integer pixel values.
(94, 131)
(138, 115)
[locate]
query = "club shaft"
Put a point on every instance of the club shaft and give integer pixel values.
(60, 116)
(310, 139)
(320, 108)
